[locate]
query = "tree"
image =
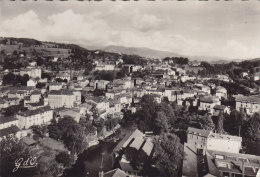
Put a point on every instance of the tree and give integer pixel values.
(70, 132)
(98, 92)
(39, 131)
(12, 149)
(168, 154)
(46, 75)
(9, 79)
(111, 123)
(161, 123)
(251, 134)
(53, 130)
(205, 122)
(65, 159)
(24, 79)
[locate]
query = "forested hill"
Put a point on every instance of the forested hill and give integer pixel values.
(232, 68)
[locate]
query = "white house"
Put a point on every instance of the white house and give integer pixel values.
(62, 98)
(32, 82)
(34, 72)
(55, 86)
(35, 96)
(207, 103)
(250, 103)
(35, 117)
(208, 140)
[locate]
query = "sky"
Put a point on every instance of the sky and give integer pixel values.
(229, 29)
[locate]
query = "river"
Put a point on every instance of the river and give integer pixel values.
(89, 162)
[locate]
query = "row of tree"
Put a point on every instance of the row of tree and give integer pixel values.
(11, 79)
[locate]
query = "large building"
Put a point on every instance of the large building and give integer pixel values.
(64, 98)
(135, 146)
(219, 164)
(33, 72)
(207, 103)
(250, 103)
(6, 122)
(208, 140)
(34, 117)
(209, 154)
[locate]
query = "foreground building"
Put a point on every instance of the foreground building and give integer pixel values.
(209, 154)
(133, 151)
(35, 117)
(208, 140)
(219, 164)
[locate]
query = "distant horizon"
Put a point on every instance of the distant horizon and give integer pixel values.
(102, 48)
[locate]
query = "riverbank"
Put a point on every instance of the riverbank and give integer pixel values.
(89, 162)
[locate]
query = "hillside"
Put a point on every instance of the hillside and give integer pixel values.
(144, 52)
(151, 53)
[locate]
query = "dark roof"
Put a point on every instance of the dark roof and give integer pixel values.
(126, 140)
(34, 112)
(36, 104)
(9, 130)
(232, 162)
(7, 119)
(36, 92)
(60, 92)
(209, 99)
(219, 107)
(200, 132)
(28, 141)
(115, 173)
(247, 99)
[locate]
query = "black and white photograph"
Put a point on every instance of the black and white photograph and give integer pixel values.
(128, 88)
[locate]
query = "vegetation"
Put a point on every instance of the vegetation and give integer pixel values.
(168, 154)
(133, 59)
(11, 79)
(177, 60)
(70, 133)
(12, 149)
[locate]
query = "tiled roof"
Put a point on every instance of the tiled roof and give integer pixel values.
(233, 162)
(201, 132)
(7, 119)
(223, 136)
(247, 99)
(219, 107)
(36, 92)
(209, 99)
(28, 141)
(9, 130)
(35, 112)
(148, 146)
(60, 92)
(126, 140)
(36, 104)
(115, 173)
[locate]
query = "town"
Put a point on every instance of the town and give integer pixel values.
(160, 117)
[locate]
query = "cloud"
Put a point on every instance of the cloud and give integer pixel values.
(24, 25)
(133, 28)
(235, 49)
(147, 22)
